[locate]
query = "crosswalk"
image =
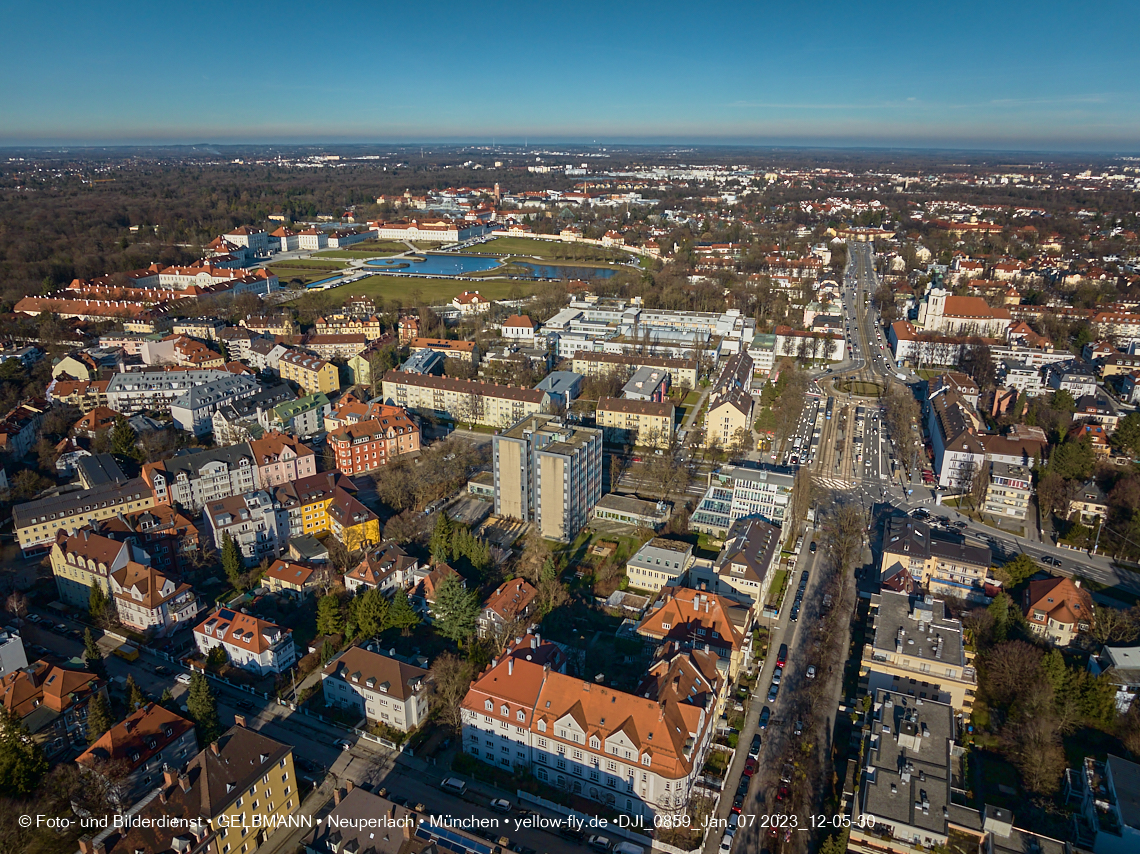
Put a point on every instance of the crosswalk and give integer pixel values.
(833, 482)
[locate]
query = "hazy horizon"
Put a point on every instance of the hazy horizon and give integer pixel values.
(1040, 77)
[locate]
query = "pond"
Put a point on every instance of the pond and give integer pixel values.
(436, 265)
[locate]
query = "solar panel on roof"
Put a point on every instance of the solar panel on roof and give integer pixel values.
(226, 614)
(453, 841)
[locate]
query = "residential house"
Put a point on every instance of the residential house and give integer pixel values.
(658, 563)
(519, 327)
(290, 578)
(51, 701)
(744, 567)
(1090, 502)
(147, 600)
(470, 302)
(692, 619)
(195, 479)
(1058, 609)
(378, 688)
(424, 589)
(944, 567)
(138, 748)
(386, 567)
(250, 643)
(81, 560)
(510, 603)
(281, 459)
(464, 350)
(1008, 491)
(20, 428)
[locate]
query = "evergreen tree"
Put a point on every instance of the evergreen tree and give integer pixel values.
(92, 656)
(441, 538)
(329, 620)
(135, 697)
(97, 603)
(232, 562)
(125, 441)
(203, 709)
(22, 763)
(456, 609)
(216, 657)
(167, 698)
(401, 615)
(369, 611)
(98, 717)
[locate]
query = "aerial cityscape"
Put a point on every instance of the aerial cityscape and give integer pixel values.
(636, 444)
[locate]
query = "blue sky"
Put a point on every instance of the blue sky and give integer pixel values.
(1046, 75)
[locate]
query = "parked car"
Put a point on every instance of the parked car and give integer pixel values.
(501, 805)
(737, 804)
(782, 655)
(777, 677)
(726, 843)
(244, 705)
(811, 671)
(343, 745)
(798, 729)
(811, 548)
(765, 716)
(182, 678)
(572, 833)
(162, 670)
(772, 693)
(599, 843)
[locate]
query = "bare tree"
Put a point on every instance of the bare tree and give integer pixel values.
(451, 679)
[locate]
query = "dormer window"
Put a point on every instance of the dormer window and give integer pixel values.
(504, 710)
(521, 715)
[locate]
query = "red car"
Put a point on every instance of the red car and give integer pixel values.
(750, 766)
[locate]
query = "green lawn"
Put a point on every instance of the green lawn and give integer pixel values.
(374, 250)
(432, 291)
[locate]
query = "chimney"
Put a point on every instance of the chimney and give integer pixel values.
(162, 795)
(215, 748)
(239, 720)
(169, 776)
(349, 786)
(336, 796)
(85, 844)
(1076, 582)
(410, 824)
(184, 782)
(510, 666)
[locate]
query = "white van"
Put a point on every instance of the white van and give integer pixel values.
(453, 785)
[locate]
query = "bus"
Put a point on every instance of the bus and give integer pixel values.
(830, 406)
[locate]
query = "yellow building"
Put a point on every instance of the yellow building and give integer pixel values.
(37, 522)
(729, 418)
(638, 422)
(324, 503)
(226, 800)
(85, 559)
(310, 372)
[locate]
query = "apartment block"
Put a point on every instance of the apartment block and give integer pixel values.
(381, 689)
(918, 649)
(254, 521)
(38, 522)
(222, 802)
(636, 422)
(943, 567)
(468, 401)
(367, 445)
(193, 480)
(548, 472)
(51, 701)
(310, 372)
(1008, 491)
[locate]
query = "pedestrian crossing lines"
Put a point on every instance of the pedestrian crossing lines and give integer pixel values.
(833, 482)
